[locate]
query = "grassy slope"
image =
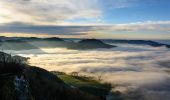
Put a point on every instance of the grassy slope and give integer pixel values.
(43, 85)
(41, 81)
(87, 84)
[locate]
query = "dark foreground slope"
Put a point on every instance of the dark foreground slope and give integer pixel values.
(19, 81)
(46, 86)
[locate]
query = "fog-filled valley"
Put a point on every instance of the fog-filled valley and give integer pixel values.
(136, 70)
(84, 50)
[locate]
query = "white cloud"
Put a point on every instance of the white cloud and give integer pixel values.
(147, 26)
(47, 11)
(137, 30)
(140, 30)
(135, 70)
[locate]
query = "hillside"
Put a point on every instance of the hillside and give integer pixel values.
(89, 85)
(19, 81)
(16, 45)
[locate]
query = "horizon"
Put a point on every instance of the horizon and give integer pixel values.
(83, 38)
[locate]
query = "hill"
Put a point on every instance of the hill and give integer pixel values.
(19, 81)
(58, 42)
(140, 42)
(90, 44)
(16, 45)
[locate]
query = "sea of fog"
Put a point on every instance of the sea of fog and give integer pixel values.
(139, 72)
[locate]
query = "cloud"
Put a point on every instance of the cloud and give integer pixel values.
(47, 11)
(152, 26)
(87, 30)
(143, 74)
(163, 26)
(84, 18)
(17, 27)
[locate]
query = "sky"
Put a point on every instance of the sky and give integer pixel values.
(111, 19)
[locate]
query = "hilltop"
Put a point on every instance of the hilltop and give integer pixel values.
(90, 44)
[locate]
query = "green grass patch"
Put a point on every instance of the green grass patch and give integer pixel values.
(86, 84)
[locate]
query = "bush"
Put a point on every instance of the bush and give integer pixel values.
(10, 65)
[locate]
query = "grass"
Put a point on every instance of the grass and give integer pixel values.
(86, 84)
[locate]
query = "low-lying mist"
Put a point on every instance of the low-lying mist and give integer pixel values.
(139, 72)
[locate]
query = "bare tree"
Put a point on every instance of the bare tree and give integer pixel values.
(100, 76)
(75, 73)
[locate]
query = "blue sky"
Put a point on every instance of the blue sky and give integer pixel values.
(129, 11)
(134, 19)
(139, 11)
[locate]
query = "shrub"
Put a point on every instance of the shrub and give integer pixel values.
(10, 65)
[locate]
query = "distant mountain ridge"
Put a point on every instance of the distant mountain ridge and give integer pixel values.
(16, 43)
(139, 42)
(35, 43)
